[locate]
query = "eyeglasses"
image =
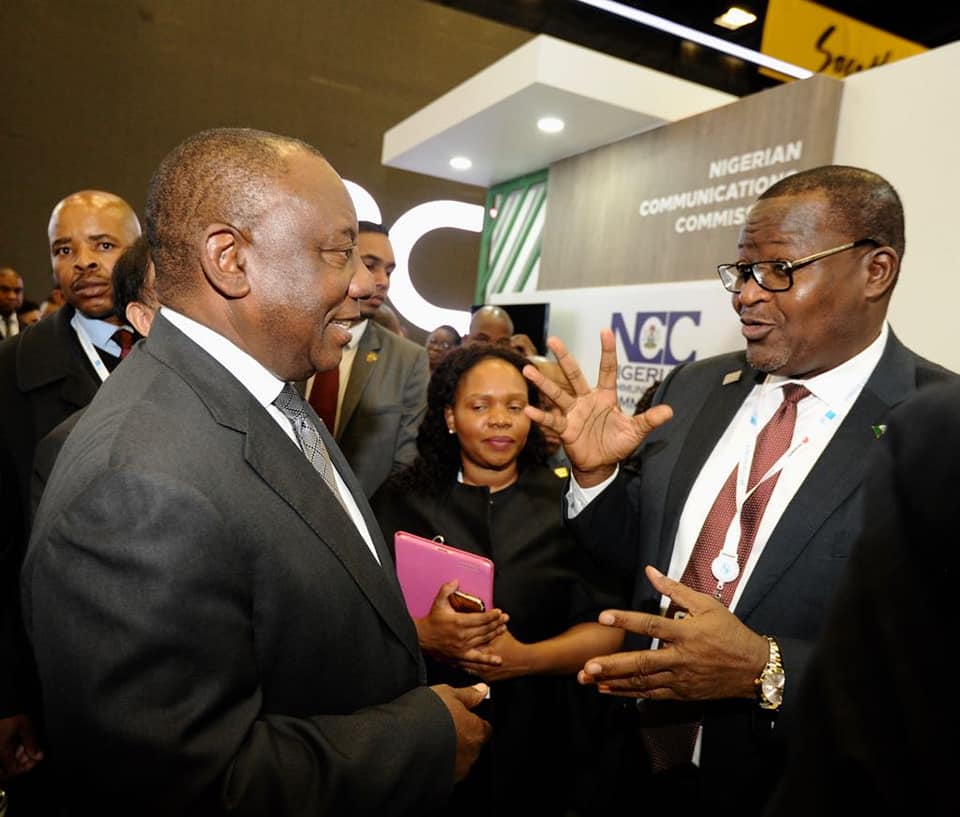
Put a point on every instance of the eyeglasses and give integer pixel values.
(775, 276)
(439, 344)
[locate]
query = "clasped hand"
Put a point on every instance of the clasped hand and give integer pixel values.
(708, 655)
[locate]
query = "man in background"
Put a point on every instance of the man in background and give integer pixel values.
(134, 301)
(11, 299)
(53, 302)
(46, 374)
(490, 324)
(374, 400)
(28, 313)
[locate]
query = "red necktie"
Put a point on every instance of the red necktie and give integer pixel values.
(772, 443)
(324, 394)
(124, 339)
(673, 744)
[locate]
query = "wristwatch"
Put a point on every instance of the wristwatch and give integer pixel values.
(771, 681)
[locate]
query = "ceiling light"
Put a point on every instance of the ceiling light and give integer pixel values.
(708, 40)
(460, 163)
(550, 124)
(735, 17)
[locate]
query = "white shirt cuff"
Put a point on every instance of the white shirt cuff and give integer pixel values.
(578, 498)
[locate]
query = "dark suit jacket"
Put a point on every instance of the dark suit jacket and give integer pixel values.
(383, 405)
(44, 377)
(634, 523)
(873, 733)
(210, 629)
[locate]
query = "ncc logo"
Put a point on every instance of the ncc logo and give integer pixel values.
(664, 338)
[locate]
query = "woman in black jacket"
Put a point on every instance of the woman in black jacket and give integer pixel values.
(480, 482)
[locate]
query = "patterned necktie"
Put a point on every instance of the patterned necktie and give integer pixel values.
(124, 339)
(324, 394)
(672, 744)
(772, 443)
(293, 407)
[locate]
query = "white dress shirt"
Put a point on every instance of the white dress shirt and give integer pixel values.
(832, 394)
(265, 387)
(819, 415)
(9, 325)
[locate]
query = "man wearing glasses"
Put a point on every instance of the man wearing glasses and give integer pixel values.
(740, 520)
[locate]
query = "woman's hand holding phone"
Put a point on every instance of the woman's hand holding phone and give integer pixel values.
(449, 635)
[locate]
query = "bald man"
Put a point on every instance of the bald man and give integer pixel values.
(215, 616)
(46, 374)
(490, 324)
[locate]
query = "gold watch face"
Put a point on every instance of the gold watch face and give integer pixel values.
(771, 687)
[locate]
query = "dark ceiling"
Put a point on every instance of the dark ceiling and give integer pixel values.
(927, 23)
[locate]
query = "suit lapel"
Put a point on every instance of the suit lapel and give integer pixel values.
(367, 357)
(837, 474)
(49, 355)
(708, 426)
(289, 474)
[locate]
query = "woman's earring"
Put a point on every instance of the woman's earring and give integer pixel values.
(451, 431)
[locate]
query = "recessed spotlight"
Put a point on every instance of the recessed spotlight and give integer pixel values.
(460, 163)
(551, 124)
(735, 17)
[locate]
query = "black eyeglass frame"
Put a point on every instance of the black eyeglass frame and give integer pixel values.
(745, 270)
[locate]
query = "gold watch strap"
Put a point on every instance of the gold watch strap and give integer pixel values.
(771, 681)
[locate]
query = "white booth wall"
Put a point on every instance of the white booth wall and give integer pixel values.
(903, 121)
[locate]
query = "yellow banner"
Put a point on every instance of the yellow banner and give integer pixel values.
(827, 42)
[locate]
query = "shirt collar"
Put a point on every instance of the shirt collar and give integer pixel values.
(258, 380)
(833, 386)
(356, 332)
(100, 332)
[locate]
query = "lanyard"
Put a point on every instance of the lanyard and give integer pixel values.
(726, 566)
(89, 349)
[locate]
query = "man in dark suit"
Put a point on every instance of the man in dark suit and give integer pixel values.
(216, 621)
(381, 384)
(135, 302)
(47, 373)
(819, 256)
(11, 300)
(872, 731)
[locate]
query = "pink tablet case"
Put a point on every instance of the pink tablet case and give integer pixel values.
(424, 564)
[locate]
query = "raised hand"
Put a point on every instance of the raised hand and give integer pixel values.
(596, 434)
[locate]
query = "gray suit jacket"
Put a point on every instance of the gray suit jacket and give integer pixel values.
(199, 603)
(634, 523)
(383, 405)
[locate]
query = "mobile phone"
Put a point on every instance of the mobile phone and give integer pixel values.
(466, 603)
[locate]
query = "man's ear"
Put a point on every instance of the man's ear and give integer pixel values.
(883, 266)
(223, 259)
(140, 317)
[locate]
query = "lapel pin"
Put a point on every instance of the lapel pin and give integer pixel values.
(731, 377)
(371, 357)
(878, 431)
